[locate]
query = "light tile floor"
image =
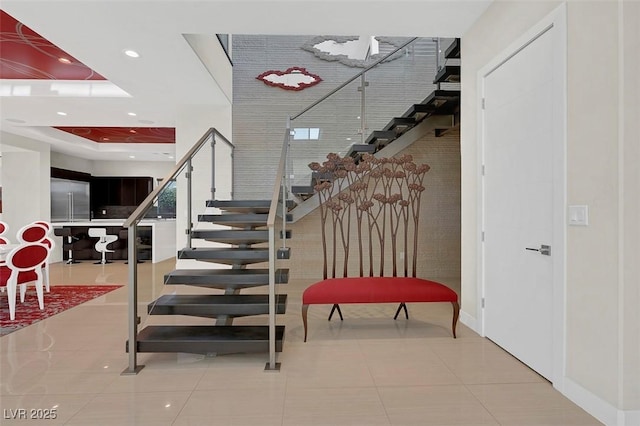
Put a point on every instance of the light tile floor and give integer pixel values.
(367, 370)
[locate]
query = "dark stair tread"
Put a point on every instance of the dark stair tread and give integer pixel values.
(236, 219)
(303, 191)
(204, 339)
(400, 125)
(381, 138)
(321, 176)
(232, 236)
(223, 278)
(227, 256)
(439, 102)
(239, 220)
(357, 149)
(245, 206)
(214, 305)
(236, 236)
(453, 51)
(448, 74)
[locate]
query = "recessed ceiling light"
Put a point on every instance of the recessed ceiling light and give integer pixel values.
(64, 60)
(61, 113)
(171, 156)
(131, 53)
(132, 131)
(132, 114)
(132, 156)
(105, 139)
(348, 139)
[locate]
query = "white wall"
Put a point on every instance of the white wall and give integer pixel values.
(630, 174)
(69, 162)
(156, 169)
(602, 350)
(26, 194)
(193, 121)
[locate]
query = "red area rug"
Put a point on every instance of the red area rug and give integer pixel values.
(61, 298)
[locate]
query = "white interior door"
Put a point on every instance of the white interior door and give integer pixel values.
(520, 123)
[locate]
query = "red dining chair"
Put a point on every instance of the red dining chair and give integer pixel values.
(32, 233)
(47, 225)
(23, 265)
(36, 232)
(4, 228)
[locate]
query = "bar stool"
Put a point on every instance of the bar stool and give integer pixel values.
(68, 244)
(124, 235)
(102, 243)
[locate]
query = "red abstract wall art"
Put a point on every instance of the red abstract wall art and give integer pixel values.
(294, 78)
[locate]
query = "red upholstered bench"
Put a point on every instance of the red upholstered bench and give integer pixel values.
(377, 290)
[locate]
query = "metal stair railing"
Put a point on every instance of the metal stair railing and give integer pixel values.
(185, 163)
(299, 157)
(343, 119)
(277, 208)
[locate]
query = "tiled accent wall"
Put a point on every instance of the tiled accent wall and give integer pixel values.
(439, 227)
(260, 111)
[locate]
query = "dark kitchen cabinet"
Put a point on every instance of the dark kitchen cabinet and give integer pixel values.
(118, 191)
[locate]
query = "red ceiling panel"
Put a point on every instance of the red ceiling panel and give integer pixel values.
(24, 54)
(124, 134)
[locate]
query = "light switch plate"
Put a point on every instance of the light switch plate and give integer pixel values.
(579, 215)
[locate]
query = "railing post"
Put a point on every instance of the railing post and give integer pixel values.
(437, 60)
(363, 107)
(272, 300)
(133, 301)
(189, 202)
(213, 166)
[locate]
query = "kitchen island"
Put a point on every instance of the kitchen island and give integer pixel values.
(156, 240)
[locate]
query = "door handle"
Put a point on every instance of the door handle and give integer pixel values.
(544, 249)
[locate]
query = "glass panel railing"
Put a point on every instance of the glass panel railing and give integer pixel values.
(344, 121)
(207, 166)
(331, 126)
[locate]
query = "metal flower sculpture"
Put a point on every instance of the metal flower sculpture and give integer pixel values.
(385, 191)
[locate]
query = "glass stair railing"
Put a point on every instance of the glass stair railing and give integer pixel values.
(419, 80)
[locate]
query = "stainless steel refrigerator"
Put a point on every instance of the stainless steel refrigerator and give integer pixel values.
(69, 200)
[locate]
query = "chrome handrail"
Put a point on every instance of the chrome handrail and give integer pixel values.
(355, 77)
(146, 204)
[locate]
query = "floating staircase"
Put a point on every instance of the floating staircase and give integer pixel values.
(438, 105)
(247, 220)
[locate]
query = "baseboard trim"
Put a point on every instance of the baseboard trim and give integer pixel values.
(599, 408)
(629, 417)
(469, 321)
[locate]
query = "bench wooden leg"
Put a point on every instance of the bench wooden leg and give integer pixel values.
(400, 307)
(333, 309)
(456, 313)
(305, 309)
